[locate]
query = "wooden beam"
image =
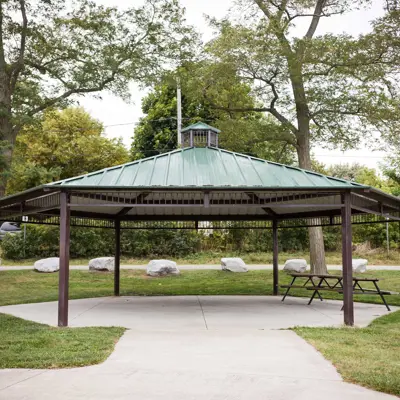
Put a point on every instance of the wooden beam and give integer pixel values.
(388, 200)
(124, 211)
(275, 262)
(255, 198)
(83, 214)
(369, 211)
(283, 199)
(348, 306)
(309, 214)
(117, 259)
(212, 204)
(63, 284)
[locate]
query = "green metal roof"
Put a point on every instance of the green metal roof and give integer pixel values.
(201, 126)
(204, 168)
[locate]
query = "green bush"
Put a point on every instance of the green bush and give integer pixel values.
(43, 241)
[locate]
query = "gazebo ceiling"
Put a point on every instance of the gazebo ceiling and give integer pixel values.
(205, 168)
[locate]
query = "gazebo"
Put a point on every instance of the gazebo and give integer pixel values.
(206, 184)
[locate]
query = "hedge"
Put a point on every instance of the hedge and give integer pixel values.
(43, 241)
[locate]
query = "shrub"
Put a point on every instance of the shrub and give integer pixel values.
(43, 241)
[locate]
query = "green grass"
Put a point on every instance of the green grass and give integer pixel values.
(367, 356)
(30, 287)
(375, 257)
(26, 344)
(29, 345)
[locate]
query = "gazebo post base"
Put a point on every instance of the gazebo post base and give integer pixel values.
(275, 263)
(63, 283)
(117, 260)
(348, 306)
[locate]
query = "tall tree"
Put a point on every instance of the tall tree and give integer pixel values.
(391, 164)
(53, 51)
(157, 131)
(64, 144)
(327, 89)
(246, 132)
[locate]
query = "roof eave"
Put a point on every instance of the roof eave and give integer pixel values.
(211, 188)
(26, 195)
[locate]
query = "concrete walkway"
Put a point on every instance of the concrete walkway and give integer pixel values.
(197, 348)
(209, 266)
(194, 313)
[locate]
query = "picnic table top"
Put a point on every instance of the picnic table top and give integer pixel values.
(328, 276)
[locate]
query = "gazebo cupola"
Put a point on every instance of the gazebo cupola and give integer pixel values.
(200, 135)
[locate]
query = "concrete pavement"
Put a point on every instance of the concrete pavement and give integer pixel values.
(197, 348)
(208, 266)
(207, 365)
(194, 313)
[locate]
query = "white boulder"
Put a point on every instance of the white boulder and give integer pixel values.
(102, 264)
(47, 265)
(162, 268)
(360, 265)
(295, 265)
(233, 265)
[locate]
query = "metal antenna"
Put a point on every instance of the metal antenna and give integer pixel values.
(179, 110)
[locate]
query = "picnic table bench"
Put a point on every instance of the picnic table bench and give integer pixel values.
(333, 283)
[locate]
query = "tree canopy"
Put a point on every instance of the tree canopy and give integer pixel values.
(53, 51)
(157, 131)
(247, 132)
(326, 89)
(64, 144)
(391, 165)
(361, 174)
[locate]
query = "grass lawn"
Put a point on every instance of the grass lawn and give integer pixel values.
(375, 257)
(26, 344)
(367, 356)
(31, 287)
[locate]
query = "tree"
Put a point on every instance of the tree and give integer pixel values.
(247, 132)
(373, 234)
(51, 52)
(359, 173)
(391, 165)
(157, 131)
(327, 89)
(66, 143)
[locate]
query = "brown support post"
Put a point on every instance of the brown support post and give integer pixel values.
(275, 257)
(117, 260)
(348, 306)
(63, 282)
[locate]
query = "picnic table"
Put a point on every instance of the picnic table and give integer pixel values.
(333, 283)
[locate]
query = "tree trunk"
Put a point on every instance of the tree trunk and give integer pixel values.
(7, 134)
(316, 236)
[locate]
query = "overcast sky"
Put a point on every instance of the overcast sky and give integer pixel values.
(118, 116)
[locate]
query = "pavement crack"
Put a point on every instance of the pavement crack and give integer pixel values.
(23, 380)
(202, 311)
(91, 308)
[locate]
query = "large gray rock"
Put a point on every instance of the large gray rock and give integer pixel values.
(233, 265)
(360, 265)
(102, 264)
(47, 265)
(295, 265)
(162, 268)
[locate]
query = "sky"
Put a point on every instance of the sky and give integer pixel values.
(119, 118)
